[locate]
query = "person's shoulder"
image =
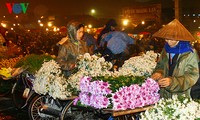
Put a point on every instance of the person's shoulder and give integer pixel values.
(63, 40)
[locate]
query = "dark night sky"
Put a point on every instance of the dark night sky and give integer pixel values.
(80, 7)
(71, 7)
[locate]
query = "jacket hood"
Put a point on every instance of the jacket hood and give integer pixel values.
(72, 28)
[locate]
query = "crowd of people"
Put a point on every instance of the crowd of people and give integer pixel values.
(39, 41)
(177, 70)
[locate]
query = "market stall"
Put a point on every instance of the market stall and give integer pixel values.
(98, 87)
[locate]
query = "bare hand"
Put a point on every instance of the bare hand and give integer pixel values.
(165, 82)
(72, 66)
(157, 76)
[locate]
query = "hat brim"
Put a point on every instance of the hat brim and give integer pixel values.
(174, 31)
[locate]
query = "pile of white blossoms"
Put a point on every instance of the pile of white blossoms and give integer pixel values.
(49, 78)
(173, 109)
(90, 66)
(139, 65)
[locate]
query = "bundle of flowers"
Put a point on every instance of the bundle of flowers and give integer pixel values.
(33, 62)
(97, 66)
(139, 65)
(98, 94)
(93, 93)
(90, 66)
(5, 72)
(176, 108)
(93, 66)
(49, 79)
(117, 82)
(136, 96)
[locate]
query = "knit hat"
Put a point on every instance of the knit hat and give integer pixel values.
(174, 31)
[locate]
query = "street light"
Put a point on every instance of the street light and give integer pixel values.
(3, 25)
(41, 25)
(143, 22)
(125, 22)
(49, 24)
(93, 11)
(89, 26)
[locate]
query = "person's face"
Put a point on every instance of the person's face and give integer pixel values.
(172, 43)
(79, 33)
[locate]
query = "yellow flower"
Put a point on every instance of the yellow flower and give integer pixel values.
(6, 72)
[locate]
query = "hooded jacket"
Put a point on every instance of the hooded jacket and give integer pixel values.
(71, 48)
(184, 76)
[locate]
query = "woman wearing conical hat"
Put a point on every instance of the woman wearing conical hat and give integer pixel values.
(177, 68)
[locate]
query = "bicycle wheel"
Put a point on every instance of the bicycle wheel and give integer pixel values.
(66, 113)
(5, 87)
(35, 105)
(17, 94)
(71, 112)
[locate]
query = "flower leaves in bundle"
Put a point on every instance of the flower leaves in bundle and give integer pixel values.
(33, 62)
(120, 81)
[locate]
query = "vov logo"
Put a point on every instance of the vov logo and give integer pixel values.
(17, 8)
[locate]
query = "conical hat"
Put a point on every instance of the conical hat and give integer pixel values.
(174, 31)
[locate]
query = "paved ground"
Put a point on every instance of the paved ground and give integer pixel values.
(8, 111)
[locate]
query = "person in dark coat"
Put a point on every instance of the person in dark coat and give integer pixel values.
(70, 47)
(177, 68)
(195, 90)
(110, 26)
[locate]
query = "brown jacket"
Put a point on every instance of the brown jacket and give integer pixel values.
(68, 53)
(185, 74)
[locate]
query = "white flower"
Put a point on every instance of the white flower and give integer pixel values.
(173, 109)
(49, 79)
(139, 65)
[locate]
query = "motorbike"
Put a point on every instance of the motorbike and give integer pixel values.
(19, 85)
(22, 89)
(46, 107)
(6, 86)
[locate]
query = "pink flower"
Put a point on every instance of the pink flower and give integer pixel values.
(75, 101)
(95, 94)
(85, 83)
(136, 96)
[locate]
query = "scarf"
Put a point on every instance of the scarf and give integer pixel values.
(181, 47)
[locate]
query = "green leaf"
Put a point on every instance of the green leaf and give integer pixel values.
(117, 82)
(33, 62)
